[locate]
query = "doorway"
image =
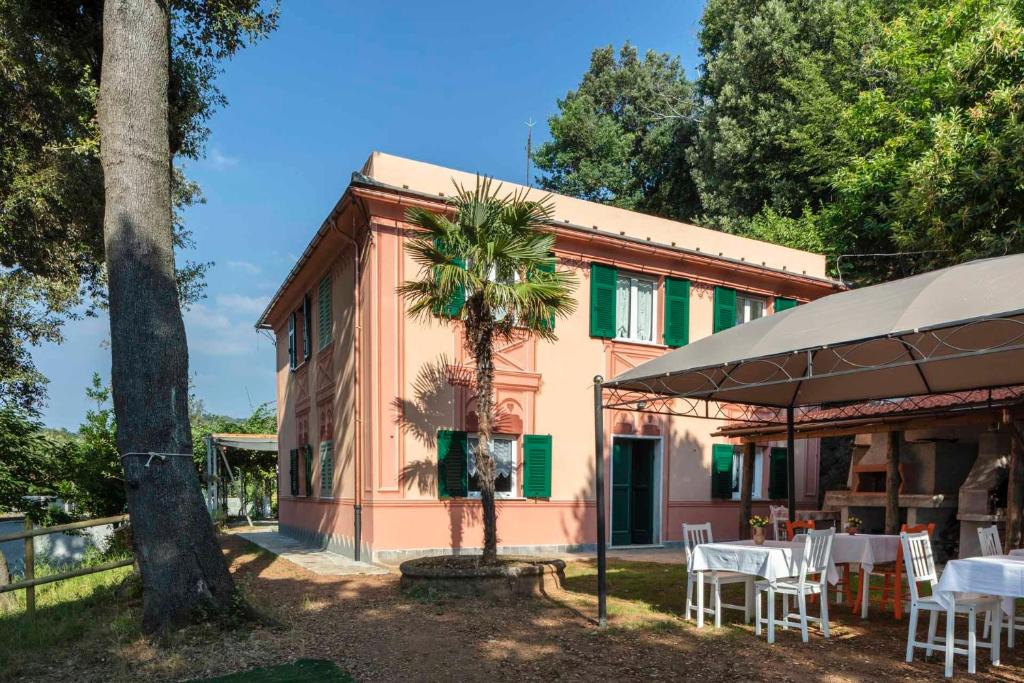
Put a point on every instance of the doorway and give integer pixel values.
(635, 491)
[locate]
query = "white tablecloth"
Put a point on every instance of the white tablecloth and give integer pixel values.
(867, 550)
(1001, 575)
(773, 561)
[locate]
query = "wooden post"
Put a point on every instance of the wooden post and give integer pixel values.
(1014, 485)
(7, 602)
(30, 569)
(746, 488)
(892, 484)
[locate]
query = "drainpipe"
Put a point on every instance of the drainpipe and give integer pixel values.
(357, 506)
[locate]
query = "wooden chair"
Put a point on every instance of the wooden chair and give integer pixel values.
(920, 567)
(811, 581)
(799, 526)
(778, 514)
(694, 535)
(892, 589)
(991, 545)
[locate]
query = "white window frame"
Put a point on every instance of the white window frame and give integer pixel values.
(743, 307)
(633, 303)
(756, 490)
(514, 492)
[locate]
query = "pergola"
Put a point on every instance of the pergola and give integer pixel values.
(919, 341)
(219, 444)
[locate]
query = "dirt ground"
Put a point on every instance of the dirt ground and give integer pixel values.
(375, 634)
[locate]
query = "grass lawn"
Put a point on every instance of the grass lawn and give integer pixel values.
(373, 633)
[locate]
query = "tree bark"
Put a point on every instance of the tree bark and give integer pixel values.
(480, 335)
(892, 484)
(1014, 487)
(746, 488)
(184, 575)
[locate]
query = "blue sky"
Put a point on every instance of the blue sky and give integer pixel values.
(451, 83)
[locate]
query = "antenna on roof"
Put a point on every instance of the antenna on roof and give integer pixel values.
(529, 147)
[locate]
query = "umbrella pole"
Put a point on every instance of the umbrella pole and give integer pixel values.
(790, 464)
(602, 588)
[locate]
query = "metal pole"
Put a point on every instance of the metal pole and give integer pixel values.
(602, 587)
(791, 464)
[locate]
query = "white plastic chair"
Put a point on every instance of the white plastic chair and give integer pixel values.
(778, 515)
(917, 557)
(991, 545)
(694, 535)
(817, 554)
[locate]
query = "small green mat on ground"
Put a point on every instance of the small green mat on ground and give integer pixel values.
(299, 671)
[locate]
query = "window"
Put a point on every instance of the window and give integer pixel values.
(326, 469)
(749, 308)
(307, 328)
(323, 301)
(737, 473)
(293, 360)
(634, 308)
(503, 451)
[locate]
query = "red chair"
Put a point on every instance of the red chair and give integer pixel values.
(793, 527)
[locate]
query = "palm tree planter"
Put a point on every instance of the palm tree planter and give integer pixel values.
(487, 265)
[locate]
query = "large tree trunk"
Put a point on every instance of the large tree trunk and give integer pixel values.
(892, 484)
(480, 335)
(746, 488)
(183, 572)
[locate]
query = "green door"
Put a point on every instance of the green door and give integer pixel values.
(633, 492)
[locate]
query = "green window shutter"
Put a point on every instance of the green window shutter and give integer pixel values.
(677, 312)
(784, 304)
(725, 309)
(537, 465)
(453, 308)
(307, 453)
(548, 268)
(323, 302)
(293, 470)
(721, 470)
(307, 328)
(292, 360)
(327, 469)
(778, 474)
(603, 281)
(452, 465)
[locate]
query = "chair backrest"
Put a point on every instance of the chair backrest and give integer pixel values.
(917, 557)
(817, 554)
(915, 529)
(777, 515)
(799, 526)
(694, 535)
(990, 543)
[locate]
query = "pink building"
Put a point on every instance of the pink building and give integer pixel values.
(370, 402)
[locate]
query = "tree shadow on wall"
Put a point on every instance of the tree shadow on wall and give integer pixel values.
(429, 409)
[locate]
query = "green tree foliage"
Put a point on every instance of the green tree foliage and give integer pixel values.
(775, 74)
(621, 136)
(27, 463)
(936, 164)
(51, 184)
(90, 475)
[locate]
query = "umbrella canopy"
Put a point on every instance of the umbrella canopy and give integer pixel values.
(953, 329)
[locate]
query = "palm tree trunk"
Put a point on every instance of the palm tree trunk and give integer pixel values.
(184, 576)
(480, 335)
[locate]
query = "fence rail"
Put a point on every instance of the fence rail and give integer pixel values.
(30, 581)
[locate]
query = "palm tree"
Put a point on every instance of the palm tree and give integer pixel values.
(488, 265)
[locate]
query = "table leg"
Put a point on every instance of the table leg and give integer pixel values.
(700, 599)
(865, 593)
(748, 599)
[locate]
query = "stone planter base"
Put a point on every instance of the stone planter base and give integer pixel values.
(513, 578)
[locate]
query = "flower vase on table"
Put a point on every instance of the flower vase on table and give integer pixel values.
(853, 525)
(757, 526)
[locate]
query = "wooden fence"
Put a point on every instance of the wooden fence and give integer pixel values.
(30, 581)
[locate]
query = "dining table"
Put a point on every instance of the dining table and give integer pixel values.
(998, 575)
(771, 561)
(865, 550)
